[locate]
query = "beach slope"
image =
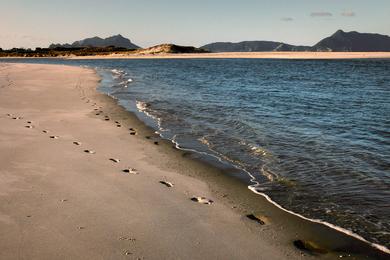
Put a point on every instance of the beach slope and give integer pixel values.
(64, 193)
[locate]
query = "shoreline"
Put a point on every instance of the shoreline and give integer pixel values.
(282, 228)
(231, 55)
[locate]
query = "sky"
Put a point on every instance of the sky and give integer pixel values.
(37, 23)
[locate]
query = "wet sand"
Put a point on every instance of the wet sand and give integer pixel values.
(247, 55)
(81, 178)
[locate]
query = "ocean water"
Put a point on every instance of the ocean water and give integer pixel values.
(313, 135)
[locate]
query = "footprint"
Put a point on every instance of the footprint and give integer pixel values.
(132, 129)
(202, 200)
(310, 247)
(128, 239)
(76, 143)
(130, 170)
(167, 183)
(17, 117)
(114, 160)
(29, 122)
(28, 126)
(89, 151)
(133, 133)
(45, 131)
(257, 218)
(54, 137)
(156, 143)
(148, 137)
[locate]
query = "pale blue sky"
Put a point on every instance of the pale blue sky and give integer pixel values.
(31, 23)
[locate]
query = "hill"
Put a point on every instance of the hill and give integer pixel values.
(252, 46)
(115, 41)
(353, 41)
(170, 48)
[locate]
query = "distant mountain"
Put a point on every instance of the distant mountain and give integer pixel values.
(353, 41)
(170, 48)
(252, 46)
(339, 41)
(116, 41)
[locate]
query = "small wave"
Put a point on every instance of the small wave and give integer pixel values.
(118, 74)
(258, 150)
(144, 107)
(116, 71)
(204, 141)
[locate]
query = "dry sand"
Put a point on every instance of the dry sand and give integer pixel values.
(249, 55)
(58, 201)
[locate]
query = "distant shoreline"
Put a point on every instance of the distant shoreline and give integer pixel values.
(245, 55)
(224, 55)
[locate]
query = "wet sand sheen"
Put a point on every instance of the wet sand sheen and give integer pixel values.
(104, 191)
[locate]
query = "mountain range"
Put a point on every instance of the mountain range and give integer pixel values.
(339, 41)
(115, 41)
(252, 46)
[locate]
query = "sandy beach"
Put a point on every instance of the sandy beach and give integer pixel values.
(247, 55)
(81, 178)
